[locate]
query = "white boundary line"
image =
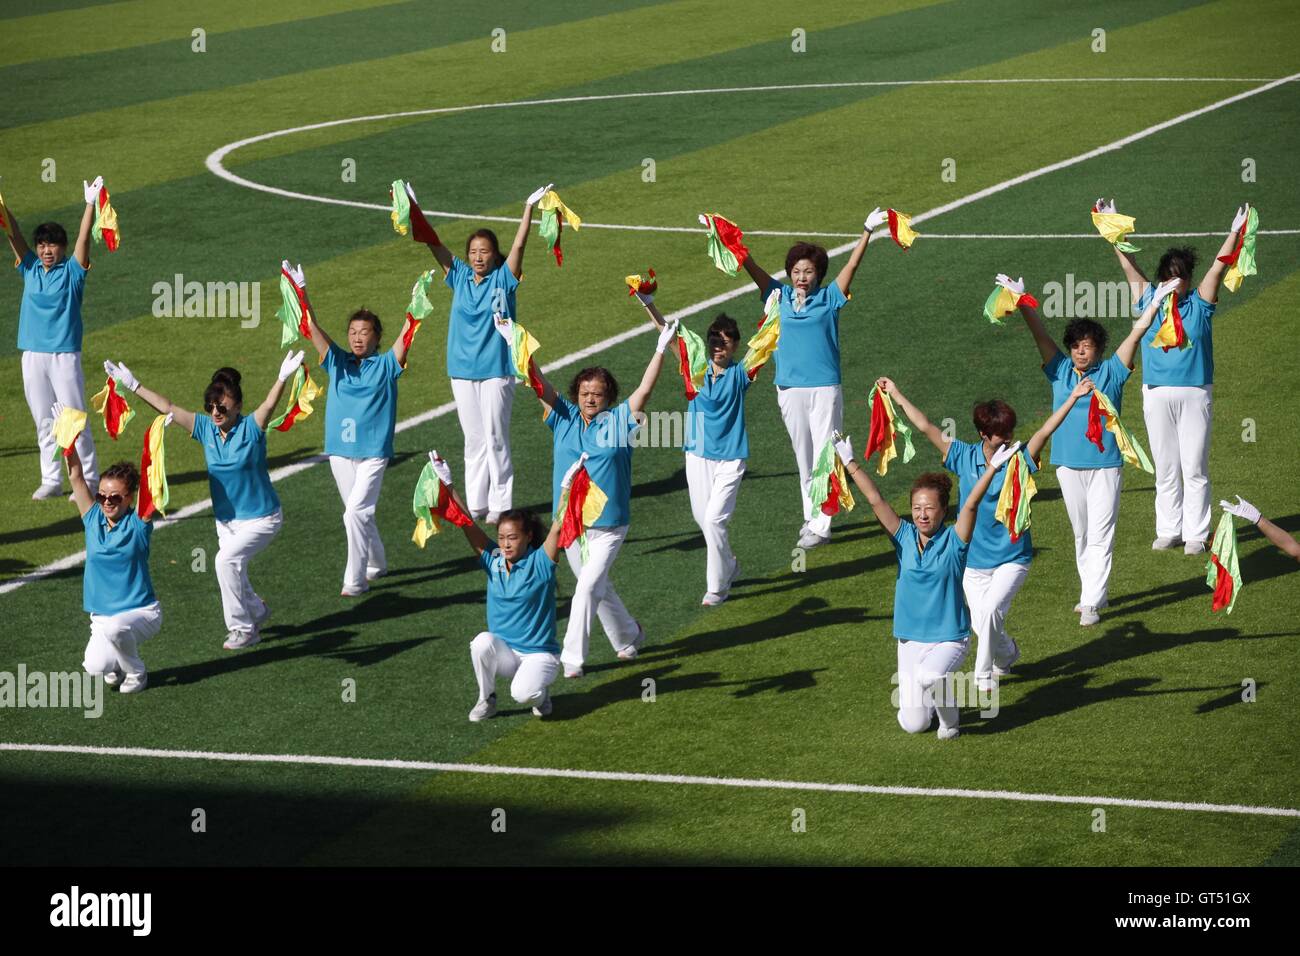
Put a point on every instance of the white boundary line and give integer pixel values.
(663, 778)
(214, 164)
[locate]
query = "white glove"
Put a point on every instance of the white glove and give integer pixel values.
(168, 420)
(92, 190)
(536, 195)
(567, 480)
(875, 218)
(505, 327)
(666, 335)
(290, 365)
(56, 410)
(122, 374)
(1242, 509)
(1164, 289)
(704, 220)
(296, 276)
(843, 447)
(1003, 455)
(1240, 219)
(440, 468)
(410, 193)
(1105, 205)
(1017, 286)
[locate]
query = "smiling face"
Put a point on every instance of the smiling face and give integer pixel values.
(1084, 354)
(482, 257)
(114, 499)
(225, 411)
(592, 398)
(804, 276)
(50, 253)
(512, 538)
(927, 511)
(362, 339)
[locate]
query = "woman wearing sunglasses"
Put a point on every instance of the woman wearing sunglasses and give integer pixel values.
(245, 505)
(117, 592)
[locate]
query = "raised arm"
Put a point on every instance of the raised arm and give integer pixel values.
(81, 251)
(319, 338)
(1279, 538)
(916, 417)
(548, 396)
(965, 524)
(473, 533)
(1209, 287)
(1036, 443)
(516, 258)
(160, 403)
(652, 310)
(1046, 347)
(886, 515)
(80, 490)
(1127, 350)
(401, 346)
(845, 278)
(756, 272)
(291, 363)
(17, 242)
(637, 400)
(1137, 280)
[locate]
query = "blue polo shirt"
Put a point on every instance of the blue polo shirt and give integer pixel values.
(990, 542)
(808, 353)
(362, 409)
(1193, 365)
(49, 319)
(715, 417)
(238, 480)
(521, 602)
(1070, 445)
(607, 442)
(475, 349)
(117, 563)
(929, 605)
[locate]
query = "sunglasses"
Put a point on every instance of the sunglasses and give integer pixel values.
(217, 407)
(113, 500)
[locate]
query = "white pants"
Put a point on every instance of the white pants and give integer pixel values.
(988, 595)
(714, 486)
(811, 415)
(239, 541)
(114, 639)
(594, 596)
(922, 689)
(1178, 423)
(50, 377)
(359, 481)
(529, 674)
(483, 407)
(1092, 502)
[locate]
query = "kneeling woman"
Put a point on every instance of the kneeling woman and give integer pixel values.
(117, 592)
(519, 644)
(931, 622)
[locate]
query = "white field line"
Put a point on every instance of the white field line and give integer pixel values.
(214, 163)
(662, 778)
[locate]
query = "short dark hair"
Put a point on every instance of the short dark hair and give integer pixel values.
(994, 417)
(365, 315)
(531, 524)
(935, 481)
(50, 232)
(1076, 330)
(591, 374)
(1177, 263)
(722, 330)
(491, 237)
(124, 472)
(225, 381)
(813, 253)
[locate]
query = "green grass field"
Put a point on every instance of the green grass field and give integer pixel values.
(788, 681)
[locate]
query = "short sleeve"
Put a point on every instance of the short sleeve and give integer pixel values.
(955, 460)
(27, 263)
(1053, 367)
(485, 557)
(392, 366)
(77, 270)
(1143, 300)
(835, 298)
(561, 411)
(456, 273)
(334, 356)
(1204, 305)
(627, 423)
(1029, 460)
(506, 278)
(906, 532)
(1118, 369)
(202, 427)
(773, 284)
(91, 514)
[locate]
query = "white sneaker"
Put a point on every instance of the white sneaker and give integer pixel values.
(712, 600)
(629, 653)
(47, 491)
(493, 517)
(573, 673)
(544, 708)
(1089, 617)
(236, 640)
(484, 709)
(1165, 544)
(987, 685)
(134, 683)
(948, 733)
(354, 592)
(1194, 547)
(373, 573)
(811, 539)
(1015, 656)
(113, 678)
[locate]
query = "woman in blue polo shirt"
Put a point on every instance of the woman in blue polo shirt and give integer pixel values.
(117, 591)
(808, 357)
(482, 285)
(1090, 479)
(360, 419)
(931, 622)
(1177, 390)
(996, 565)
(589, 422)
(519, 644)
(245, 505)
